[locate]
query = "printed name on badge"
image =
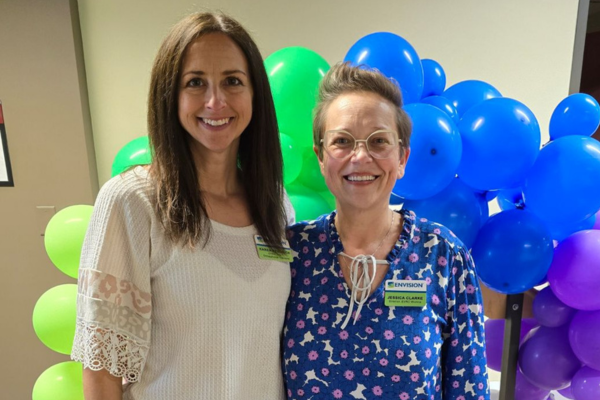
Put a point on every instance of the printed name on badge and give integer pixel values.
(267, 253)
(405, 293)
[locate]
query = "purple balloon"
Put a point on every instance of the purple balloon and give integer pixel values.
(525, 390)
(494, 339)
(546, 358)
(567, 392)
(584, 336)
(574, 275)
(586, 384)
(550, 311)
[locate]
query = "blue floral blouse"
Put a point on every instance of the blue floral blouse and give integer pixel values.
(433, 352)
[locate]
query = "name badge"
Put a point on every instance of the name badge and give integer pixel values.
(267, 253)
(405, 293)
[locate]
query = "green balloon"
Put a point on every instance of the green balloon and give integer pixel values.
(136, 152)
(294, 75)
(329, 198)
(64, 236)
(62, 381)
(54, 317)
(292, 159)
(311, 176)
(307, 204)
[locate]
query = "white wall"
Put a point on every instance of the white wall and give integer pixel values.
(522, 47)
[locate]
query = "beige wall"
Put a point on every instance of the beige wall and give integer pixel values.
(49, 139)
(523, 47)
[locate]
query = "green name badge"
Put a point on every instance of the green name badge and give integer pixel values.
(267, 253)
(405, 293)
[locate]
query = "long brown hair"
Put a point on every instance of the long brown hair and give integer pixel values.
(179, 203)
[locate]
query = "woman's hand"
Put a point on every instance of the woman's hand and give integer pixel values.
(101, 385)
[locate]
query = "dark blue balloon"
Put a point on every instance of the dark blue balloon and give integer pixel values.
(509, 199)
(443, 104)
(501, 140)
(578, 114)
(563, 185)
(435, 153)
(513, 251)
(467, 94)
(457, 207)
(562, 230)
(434, 78)
(394, 57)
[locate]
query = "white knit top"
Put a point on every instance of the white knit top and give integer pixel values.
(177, 323)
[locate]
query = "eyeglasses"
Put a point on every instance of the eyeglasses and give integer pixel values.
(341, 144)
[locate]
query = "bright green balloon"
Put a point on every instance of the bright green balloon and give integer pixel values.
(329, 198)
(292, 159)
(54, 317)
(64, 237)
(311, 176)
(62, 381)
(295, 74)
(307, 204)
(136, 152)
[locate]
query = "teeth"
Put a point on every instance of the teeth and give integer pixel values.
(361, 178)
(216, 122)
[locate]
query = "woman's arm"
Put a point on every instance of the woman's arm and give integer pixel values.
(101, 385)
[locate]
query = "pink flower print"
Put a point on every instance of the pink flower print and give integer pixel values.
(476, 369)
(340, 286)
(300, 324)
(322, 330)
(366, 372)
(399, 353)
(425, 320)
(290, 343)
(438, 388)
(469, 334)
(325, 371)
(383, 362)
(463, 308)
(324, 280)
(396, 261)
(315, 389)
(413, 257)
(405, 245)
(289, 392)
(293, 374)
(470, 289)
(305, 249)
(396, 378)
(288, 315)
(437, 329)
(323, 299)
(480, 398)
(404, 396)
(428, 353)
(340, 273)
(454, 270)
(416, 239)
(369, 330)
(293, 272)
(377, 391)
(435, 300)
(437, 231)
(454, 343)
(423, 219)
(442, 261)
(322, 237)
(417, 340)
(458, 359)
(306, 281)
(300, 392)
(337, 393)
(313, 355)
(408, 320)
(300, 307)
(455, 384)
(343, 335)
(344, 354)
(388, 334)
(408, 278)
(378, 311)
(428, 281)
(460, 398)
(323, 261)
(349, 375)
(414, 377)
(365, 350)
(325, 316)
(474, 352)
(307, 263)
(480, 386)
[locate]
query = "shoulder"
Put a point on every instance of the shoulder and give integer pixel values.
(421, 226)
(309, 231)
(131, 187)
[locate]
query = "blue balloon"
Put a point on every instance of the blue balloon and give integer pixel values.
(435, 152)
(511, 198)
(457, 207)
(443, 104)
(513, 251)
(434, 78)
(560, 231)
(467, 94)
(501, 140)
(563, 185)
(394, 57)
(577, 114)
